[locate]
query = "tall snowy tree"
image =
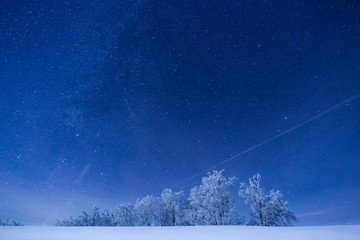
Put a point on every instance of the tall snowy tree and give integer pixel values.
(254, 196)
(266, 209)
(125, 215)
(83, 220)
(171, 207)
(148, 211)
(107, 218)
(95, 217)
(211, 202)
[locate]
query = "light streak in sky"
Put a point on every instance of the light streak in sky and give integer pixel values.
(348, 100)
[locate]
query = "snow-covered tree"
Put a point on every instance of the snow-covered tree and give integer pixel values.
(192, 207)
(254, 196)
(125, 215)
(277, 212)
(107, 218)
(83, 220)
(148, 211)
(211, 202)
(95, 217)
(171, 207)
(7, 222)
(266, 209)
(67, 222)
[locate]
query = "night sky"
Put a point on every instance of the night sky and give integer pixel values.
(102, 103)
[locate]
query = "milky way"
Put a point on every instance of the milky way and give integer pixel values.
(105, 102)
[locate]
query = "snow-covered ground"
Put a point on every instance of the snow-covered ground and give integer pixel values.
(183, 233)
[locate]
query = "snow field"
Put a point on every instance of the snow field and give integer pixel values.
(350, 232)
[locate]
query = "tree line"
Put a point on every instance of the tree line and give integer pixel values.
(210, 203)
(7, 222)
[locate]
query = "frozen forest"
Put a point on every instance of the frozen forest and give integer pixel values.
(210, 203)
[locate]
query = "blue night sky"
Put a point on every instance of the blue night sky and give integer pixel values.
(102, 103)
